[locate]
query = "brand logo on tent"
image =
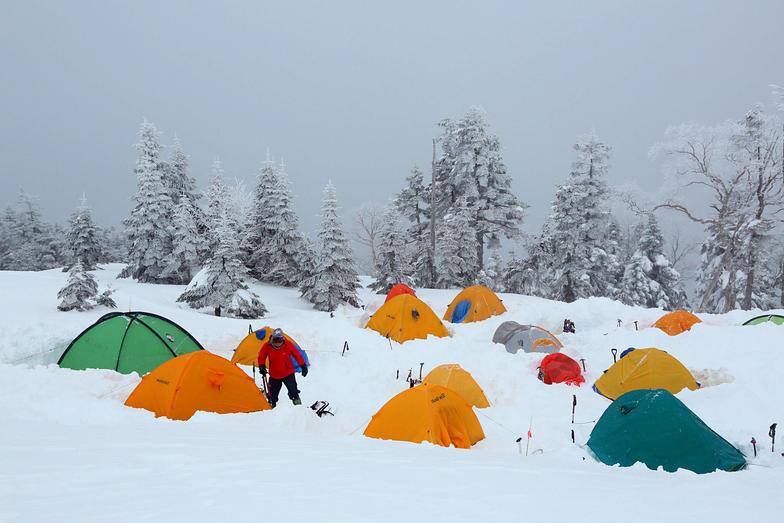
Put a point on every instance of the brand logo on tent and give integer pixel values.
(169, 337)
(159, 380)
(438, 398)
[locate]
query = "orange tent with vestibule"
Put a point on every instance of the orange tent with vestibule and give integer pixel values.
(247, 352)
(474, 303)
(406, 317)
(676, 322)
(455, 377)
(398, 289)
(197, 381)
(427, 413)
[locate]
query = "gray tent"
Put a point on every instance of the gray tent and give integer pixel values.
(529, 338)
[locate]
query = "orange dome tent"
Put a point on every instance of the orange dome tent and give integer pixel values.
(406, 317)
(247, 352)
(427, 413)
(398, 289)
(644, 369)
(455, 377)
(674, 323)
(474, 303)
(197, 381)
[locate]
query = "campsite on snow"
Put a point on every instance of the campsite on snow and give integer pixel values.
(493, 279)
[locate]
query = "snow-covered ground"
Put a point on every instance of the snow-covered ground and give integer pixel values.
(70, 450)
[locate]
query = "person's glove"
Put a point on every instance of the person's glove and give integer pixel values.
(263, 370)
(304, 370)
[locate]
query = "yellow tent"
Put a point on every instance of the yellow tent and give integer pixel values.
(197, 381)
(455, 377)
(676, 322)
(474, 303)
(406, 317)
(427, 413)
(247, 352)
(645, 369)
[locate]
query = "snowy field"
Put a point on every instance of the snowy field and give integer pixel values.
(71, 451)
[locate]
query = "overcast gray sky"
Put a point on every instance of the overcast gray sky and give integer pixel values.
(352, 90)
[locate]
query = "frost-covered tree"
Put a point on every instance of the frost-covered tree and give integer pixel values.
(579, 223)
(82, 240)
(33, 244)
(334, 279)
(105, 299)
(491, 275)
(221, 285)
(149, 239)
(456, 261)
(413, 201)
(184, 256)
(393, 263)
(176, 177)
(649, 279)
(472, 167)
(80, 290)
(217, 210)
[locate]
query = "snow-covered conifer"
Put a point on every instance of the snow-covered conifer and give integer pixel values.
(82, 239)
(79, 291)
(456, 260)
(184, 256)
(334, 280)
(393, 253)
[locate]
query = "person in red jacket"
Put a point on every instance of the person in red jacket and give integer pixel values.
(280, 351)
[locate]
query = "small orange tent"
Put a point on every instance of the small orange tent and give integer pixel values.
(406, 317)
(427, 413)
(474, 303)
(398, 289)
(676, 322)
(455, 377)
(197, 381)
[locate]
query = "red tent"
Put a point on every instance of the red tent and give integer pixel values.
(398, 289)
(560, 368)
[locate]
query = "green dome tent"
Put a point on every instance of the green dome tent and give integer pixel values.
(654, 427)
(128, 342)
(765, 318)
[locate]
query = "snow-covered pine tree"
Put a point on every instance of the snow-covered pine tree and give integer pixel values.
(393, 253)
(79, 291)
(176, 177)
(491, 275)
(182, 259)
(222, 283)
(579, 222)
(532, 273)
(334, 281)
(456, 262)
(254, 243)
(82, 239)
(472, 167)
(33, 244)
(149, 240)
(105, 299)
(649, 279)
(217, 197)
(413, 201)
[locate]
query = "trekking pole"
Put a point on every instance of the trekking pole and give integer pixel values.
(582, 360)
(754, 444)
(345, 348)
(772, 434)
(250, 328)
(420, 371)
(264, 386)
(614, 352)
(397, 374)
(635, 325)
(572, 435)
(574, 405)
(519, 445)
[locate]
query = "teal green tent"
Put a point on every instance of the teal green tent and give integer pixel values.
(128, 342)
(765, 318)
(654, 427)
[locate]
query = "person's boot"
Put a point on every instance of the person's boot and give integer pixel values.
(296, 401)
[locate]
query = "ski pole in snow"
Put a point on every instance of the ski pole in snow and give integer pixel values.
(754, 444)
(397, 374)
(635, 325)
(420, 371)
(345, 348)
(619, 322)
(572, 435)
(614, 352)
(772, 434)
(574, 405)
(519, 445)
(582, 360)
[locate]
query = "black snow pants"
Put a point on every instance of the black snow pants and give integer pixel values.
(291, 386)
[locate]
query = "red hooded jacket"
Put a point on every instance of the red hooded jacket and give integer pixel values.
(280, 364)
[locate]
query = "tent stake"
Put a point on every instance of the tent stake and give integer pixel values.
(582, 360)
(772, 434)
(754, 444)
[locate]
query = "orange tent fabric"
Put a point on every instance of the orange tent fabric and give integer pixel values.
(406, 317)
(398, 289)
(455, 377)
(427, 413)
(197, 381)
(474, 303)
(674, 323)
(247, 352)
